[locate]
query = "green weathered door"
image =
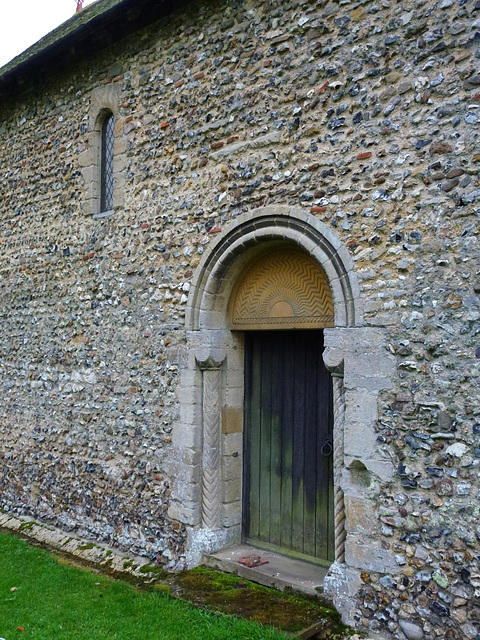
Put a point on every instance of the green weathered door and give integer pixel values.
(288, 461)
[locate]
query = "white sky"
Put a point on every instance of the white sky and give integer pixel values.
(23, 22)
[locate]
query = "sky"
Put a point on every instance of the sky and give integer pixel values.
(23, 22)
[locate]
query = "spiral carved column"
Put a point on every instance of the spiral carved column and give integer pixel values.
(211, 457)
(338, 455)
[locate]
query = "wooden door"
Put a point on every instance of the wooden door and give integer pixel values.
(288, 461)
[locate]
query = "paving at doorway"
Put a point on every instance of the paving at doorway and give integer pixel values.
(279, 571)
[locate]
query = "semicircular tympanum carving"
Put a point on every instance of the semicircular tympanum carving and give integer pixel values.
(283, 289)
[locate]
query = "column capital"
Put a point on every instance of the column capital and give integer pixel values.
(334, 362)
(209, 364)
(209, 360)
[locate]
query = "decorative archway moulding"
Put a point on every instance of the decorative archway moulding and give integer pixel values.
(245, 239)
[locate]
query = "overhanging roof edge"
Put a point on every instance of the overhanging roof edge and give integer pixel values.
(76, 24)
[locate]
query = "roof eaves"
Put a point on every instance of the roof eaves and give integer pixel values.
(76, 24)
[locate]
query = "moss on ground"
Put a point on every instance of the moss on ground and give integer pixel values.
(230, 594)
(153, 569)
(87, 546)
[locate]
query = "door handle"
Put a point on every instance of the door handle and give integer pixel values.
(327, 446)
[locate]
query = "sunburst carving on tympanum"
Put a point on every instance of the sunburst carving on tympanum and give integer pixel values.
(285, 288)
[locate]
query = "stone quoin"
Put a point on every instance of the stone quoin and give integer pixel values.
(277, 166)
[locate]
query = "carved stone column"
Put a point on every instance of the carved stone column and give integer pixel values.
(338, 463)
(211, 456)
(334, 361)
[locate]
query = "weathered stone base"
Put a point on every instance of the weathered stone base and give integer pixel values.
(102, 556)
(341, 585)
(207, 541)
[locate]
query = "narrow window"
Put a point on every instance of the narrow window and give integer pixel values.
(106, 168)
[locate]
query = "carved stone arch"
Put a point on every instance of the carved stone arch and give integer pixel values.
(208, 438)
(244, 240)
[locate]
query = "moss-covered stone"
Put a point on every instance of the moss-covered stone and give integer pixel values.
(230, 594)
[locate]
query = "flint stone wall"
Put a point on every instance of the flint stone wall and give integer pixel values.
(366, 115)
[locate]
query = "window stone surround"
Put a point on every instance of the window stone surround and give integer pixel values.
(104, 100)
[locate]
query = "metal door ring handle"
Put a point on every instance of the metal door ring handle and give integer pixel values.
(326, 449)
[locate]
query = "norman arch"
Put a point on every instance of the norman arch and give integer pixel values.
(208, 439)
(245, 239)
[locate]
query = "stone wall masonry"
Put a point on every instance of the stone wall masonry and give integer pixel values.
(366, 115)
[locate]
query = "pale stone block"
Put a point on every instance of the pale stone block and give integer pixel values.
(190, 376)
(190, 395)
(85, 159)
(120, 164)
(188, 481)
(203, 540)
(104, 97)
(368, 555)
(360, 415)
(361, 406)
(361, 514)
(187, 436)
(234, 396)
(231, 467)
(186, 490)
(189, 514)
(367, 339)
(95, 189)
(119, 146)
(382, 468)
(189, 457)
(209, 301)
(232, 444)
(120, 124)
(232, 491)
(231, 514)
(254, 143)
(235, 379)
(372, 383)
(170, 466)
(341, 319)
(88, 175)
(213, 319)
(370, 364)
(191, 414)
(342, 584)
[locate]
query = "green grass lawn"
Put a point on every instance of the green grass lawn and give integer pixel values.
(55, 601)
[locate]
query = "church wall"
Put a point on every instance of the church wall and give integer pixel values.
(366, 116)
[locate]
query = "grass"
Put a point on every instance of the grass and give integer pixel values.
(51, 600)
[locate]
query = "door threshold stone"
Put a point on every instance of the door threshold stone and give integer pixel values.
(281, 572)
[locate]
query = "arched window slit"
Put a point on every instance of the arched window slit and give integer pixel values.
(106, 166)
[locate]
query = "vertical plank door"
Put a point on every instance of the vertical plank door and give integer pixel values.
(288, 461)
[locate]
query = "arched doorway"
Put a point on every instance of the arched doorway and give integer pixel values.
(207, 453)
(208, 438)
(282, 300)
